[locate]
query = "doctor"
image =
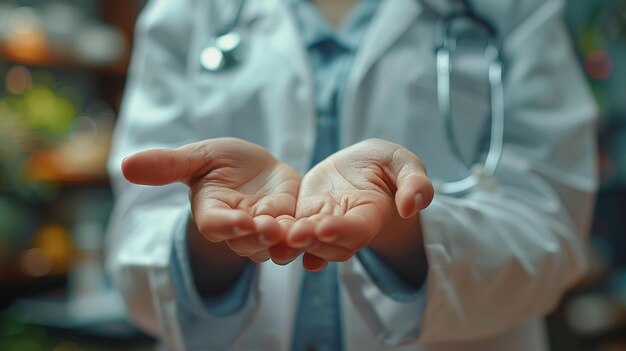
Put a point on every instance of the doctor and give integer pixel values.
(472, 271)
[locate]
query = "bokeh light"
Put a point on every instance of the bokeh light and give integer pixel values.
(45, 110)
(35, 263)
(84, 131)
(18, 80)
(55, 243)
(67, 346)
(26, 38)
(598, 64)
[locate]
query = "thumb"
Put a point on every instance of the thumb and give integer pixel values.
(414, 190)
(191, 161)
(158, 167)
(162, 166)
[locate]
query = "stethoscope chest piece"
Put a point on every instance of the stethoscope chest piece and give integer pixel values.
(222, 53)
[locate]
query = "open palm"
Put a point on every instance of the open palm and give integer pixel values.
(239, 193)
(347, 199)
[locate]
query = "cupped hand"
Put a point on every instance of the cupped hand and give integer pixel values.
(239, 192)
(349, 198)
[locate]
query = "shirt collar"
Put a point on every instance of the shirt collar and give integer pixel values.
(314, 28)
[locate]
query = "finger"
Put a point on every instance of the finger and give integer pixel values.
(414, 194)
(260, 257)
(247, 246)
(330, 253)
(286, 222)
(218, 224)
(301, 234)
(282, 254)
(354, 230)
(162, 166)
(268, 233)
(313, 263)
(414, 190)
(269, 230)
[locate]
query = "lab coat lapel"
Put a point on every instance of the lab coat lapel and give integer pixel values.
(394, 18)
(288, 80)
(283, 33)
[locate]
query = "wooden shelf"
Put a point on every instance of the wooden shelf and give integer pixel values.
(75, 180)
(47, 57)
(68, 168)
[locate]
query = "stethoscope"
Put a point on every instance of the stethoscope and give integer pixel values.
(223, 51)
(481, 173)
(223, 54)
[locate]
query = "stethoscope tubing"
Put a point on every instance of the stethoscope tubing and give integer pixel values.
(221, 54)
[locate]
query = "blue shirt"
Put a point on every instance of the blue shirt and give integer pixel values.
(331, 54)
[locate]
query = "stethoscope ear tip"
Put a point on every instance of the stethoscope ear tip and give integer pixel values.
(221, 54)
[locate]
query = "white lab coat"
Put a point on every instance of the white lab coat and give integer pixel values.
(498, 260)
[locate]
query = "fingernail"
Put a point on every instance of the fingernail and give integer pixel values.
(419, 201)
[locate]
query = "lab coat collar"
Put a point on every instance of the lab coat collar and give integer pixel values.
(281, 27)
(315, 29)
(393, 19)
(443, 7)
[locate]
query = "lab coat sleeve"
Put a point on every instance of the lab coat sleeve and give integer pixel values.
(381, 295)
(386, 279)
(227, 303)
(501, 258)
(141, 239)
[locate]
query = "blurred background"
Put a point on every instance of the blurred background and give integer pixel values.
(62, 74)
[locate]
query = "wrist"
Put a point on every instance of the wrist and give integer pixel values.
(214, 266)
(400, 246)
